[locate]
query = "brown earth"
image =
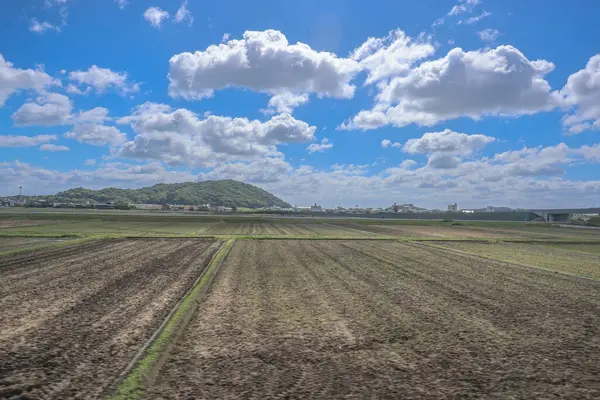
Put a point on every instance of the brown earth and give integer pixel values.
(420, 231)
(279, 228)
(384, 320)
(15, 243)
(73, 318)
(11, 223)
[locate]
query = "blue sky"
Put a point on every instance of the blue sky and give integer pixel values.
(334, 102)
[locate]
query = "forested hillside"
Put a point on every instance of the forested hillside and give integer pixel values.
(228, 193)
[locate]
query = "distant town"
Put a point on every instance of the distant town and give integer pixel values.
(315, 208)
(408, 210)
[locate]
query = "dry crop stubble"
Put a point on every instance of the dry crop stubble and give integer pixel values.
(75, 317)
(335, 319)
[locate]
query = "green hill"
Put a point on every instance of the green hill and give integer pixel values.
(228, 193)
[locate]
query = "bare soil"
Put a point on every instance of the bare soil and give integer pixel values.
(73, 318)
(384, 320)
(15, 243)
(12, 223)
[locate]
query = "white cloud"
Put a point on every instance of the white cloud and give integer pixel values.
(464, 6)
(42, 27)
(72, 89)
(406, 164)
(155, 16)
(24, 141)
(386, 143)
(180, 138)
(445, 147)
(53, 147)
(121, 3)
(47, 110)
(95, 115)
(262, 61)
(285, 103)
(319, 147)
(50, 109)
(528, 177)
(474, 84)
(90, 162)
(447, 141)
(225, 37)
(97, 135)
(101, 79)
(488, 35)
(14, 79)
(46, 181)
(183, 14)
(443, 161)
(268, 169)
(582, 93)
(391, 55)
(473, 20)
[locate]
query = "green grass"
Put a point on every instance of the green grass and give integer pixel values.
(132, 386)
(578, 247)
(544, 255)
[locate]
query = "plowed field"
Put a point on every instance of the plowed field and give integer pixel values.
(383, 320)
(72, 318)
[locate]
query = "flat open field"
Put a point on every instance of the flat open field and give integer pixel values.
(12, 223)
(15, 243)
(575, 259)
(73, 318)
(375, 319)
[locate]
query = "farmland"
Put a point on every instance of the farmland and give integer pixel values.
(322, 319)
(73, 318)
(140, 305)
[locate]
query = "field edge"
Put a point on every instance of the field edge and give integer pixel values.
(144, 367)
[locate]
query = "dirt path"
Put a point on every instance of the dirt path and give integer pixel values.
(73, 318)
(333, 319)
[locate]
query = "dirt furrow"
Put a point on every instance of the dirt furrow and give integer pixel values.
(80, 350)
(333, 319)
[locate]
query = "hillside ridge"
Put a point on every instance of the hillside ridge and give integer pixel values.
(229, 193)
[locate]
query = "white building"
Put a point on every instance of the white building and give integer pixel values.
(316, 208)
(148, 206)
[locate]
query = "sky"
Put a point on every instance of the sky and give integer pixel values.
(475, 102)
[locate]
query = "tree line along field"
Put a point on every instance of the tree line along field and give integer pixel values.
(73, 318)
(373, 319)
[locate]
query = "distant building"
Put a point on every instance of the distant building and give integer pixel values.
(316, 208)
(148, 206)
(489, 209)
(452, 207)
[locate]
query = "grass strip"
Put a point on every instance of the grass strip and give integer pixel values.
(133, 386)
(516, 263)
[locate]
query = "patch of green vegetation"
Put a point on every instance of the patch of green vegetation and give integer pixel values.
(133, 386)
(578, 248)
(541, 254)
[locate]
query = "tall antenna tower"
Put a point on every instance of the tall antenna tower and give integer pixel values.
(21, 191)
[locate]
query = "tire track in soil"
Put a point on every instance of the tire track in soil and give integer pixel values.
(82, 349)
